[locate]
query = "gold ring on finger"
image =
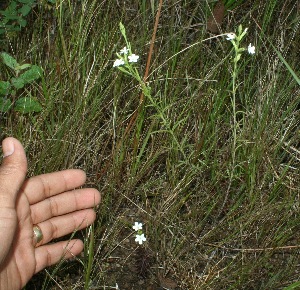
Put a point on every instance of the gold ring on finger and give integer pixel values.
(37, 235)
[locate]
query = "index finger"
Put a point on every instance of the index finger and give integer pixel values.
(40, 187)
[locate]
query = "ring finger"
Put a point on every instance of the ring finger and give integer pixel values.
(57, 227)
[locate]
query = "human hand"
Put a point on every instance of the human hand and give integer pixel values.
(47, 200)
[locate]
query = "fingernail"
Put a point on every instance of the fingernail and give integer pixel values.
(8, 147)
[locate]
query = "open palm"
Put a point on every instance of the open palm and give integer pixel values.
(49, 201)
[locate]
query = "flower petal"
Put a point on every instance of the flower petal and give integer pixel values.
(251, 49)
(137, 226)
(124, 50)
(133, 58)
(230, 36)
(118, 62)
(140, 238)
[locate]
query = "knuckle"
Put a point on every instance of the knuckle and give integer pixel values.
(54, 231)
(53, 206)
(45, 185)
(48, 259)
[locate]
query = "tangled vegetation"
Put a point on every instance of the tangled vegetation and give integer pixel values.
(200, 146)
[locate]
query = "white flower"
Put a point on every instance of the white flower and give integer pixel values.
(140, 238)
(124, 50)
(230, 36)
(137, 226)
(118, 62)
(133, 58)
(251, 49)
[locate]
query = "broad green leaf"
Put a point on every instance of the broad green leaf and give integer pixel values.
(10, 10)
(22, 22)
(4, 88)
(10, 16)
(9, 60)
(5, 104)
(15, 28)
(9, 28)
(12, 6)
(24, 10)
(32, 74)
(18, 83)
(3, 22)
(27, 105)
(30, 2)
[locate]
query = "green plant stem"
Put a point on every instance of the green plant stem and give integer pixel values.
(235, 124)
(63, 43)
(89, 251)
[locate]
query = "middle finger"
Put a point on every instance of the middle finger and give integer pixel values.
(64, 203)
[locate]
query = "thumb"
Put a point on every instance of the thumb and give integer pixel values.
(12, 171)
(12, 174)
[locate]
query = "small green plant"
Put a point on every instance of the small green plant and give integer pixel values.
(125, 63)
(236, 40)
(13, 17)
(23, 74)
(126, 59)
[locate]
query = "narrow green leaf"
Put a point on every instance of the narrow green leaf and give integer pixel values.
(23, 66)
(27, 105)
(122, 69)
(123, 32)
(122, 29)
(240, 29)
(297, 79)
(295, 76)
(295, 285)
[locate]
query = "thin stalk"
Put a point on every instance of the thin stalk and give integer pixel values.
(89, 251)
(146, 75)
(63, 43)
(236, 44)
